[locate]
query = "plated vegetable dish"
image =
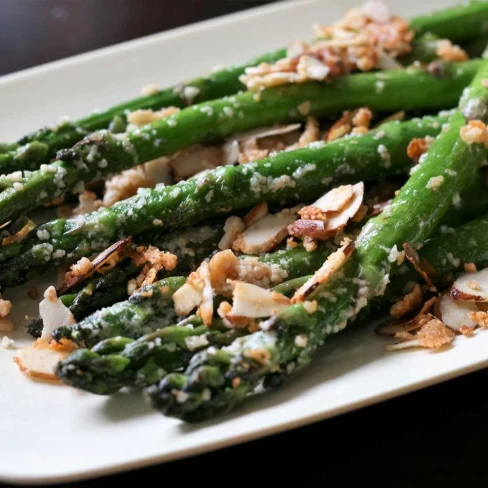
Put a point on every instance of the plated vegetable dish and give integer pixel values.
(212, 235)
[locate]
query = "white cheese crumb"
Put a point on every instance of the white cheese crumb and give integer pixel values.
(451, 172)
(58, 254)
(304, 108)
(43, 234)
(181, 396)
(206, 395)
(194, 342)
(380, 86)
(229, 111)
(454, 261)
(157, 222)
(396, 256)
(190, 93)
(435, 182)
(207, 109)
(456, 200)
(18, 186)
(150, 89)
(385, 155)
(15, 176)
(301, 340)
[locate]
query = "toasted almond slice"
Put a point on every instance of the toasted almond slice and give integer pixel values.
(223, 266)
(387, 62)
(96, 264)
(252, 301)
(340, 127)
(187, 298)
(334, 200)
(231, 151)
(341, 219)
(54, 313)
(472, 287)
(255, 214)
(455, 313)
(405, 324)
(159, 171)
(194, 160)
(264, 132)
(314, 229)
(206, 308)
(432, 335)
(413, 257)
(39, 360)
(265, 235)
(233, 227)
(334, 262)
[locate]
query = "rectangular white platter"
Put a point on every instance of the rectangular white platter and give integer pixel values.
(52, 433)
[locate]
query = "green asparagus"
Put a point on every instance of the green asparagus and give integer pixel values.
(103, 153)
(132, 318)
(297, 175)
(218, 379)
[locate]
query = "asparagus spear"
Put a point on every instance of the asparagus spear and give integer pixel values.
(118, 362)
(218, 379)
(457, 24)
(303, 174)
(146, 310)
(103, 152)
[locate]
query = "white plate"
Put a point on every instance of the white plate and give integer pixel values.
(53, 433)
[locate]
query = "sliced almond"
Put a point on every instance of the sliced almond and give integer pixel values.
(54, 313)
(405, 324)
(341, 219)
(340, 127)
(188, 297)
(194, 160)
(314, 229)
(264, 132)
(39, 360)
(333, 201)
(266, 234)
(255, 214)
(413, 257)
(387, 62)
(472, 287)
(223, 266)
(205, 310)
(455, 313)
(233, 227)
(252, 301)
(432, 335)
(334, 262)
(159, 171)
(97, 263)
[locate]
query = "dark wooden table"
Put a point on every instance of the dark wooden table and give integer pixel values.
(428, 438)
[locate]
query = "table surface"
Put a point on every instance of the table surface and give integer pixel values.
(434, 435)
